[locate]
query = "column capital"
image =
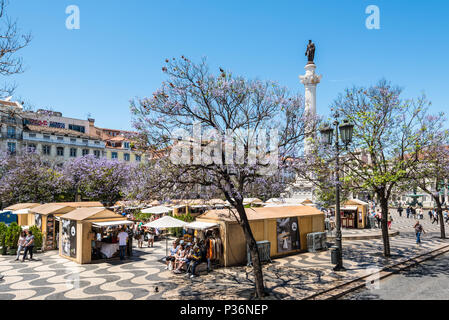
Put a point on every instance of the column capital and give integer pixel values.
(310, 78)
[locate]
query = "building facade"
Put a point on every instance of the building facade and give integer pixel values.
(60, 138)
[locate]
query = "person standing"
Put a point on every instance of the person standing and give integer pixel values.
(122, 237)
(419, 230)
(389, 220)
(141, 235)
(430, 215)
(29, 245)
(21, 244)
(151, 238)
(378, 219)
(400, 209)
(408, 211)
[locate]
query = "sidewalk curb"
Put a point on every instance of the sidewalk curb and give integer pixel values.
(345, 288)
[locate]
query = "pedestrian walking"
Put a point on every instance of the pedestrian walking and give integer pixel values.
(419, 230)
(400, 209)
(122, 237)
(446, 216)
(430, 215)
(21, 244)
(29, 245)
(408, 211)
(435, 217)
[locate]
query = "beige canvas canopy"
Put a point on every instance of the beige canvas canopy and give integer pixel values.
(20, 206)
(52, 208)
(91, 214)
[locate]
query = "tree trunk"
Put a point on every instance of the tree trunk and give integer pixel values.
(441, 218)
(384, 223)
(252, 244)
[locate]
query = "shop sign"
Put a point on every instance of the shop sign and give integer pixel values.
(45, 123)
(288, 234)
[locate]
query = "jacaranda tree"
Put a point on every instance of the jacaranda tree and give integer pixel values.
(220, 131)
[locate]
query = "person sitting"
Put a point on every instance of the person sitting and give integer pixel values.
(194, 260)
(171, 258)
(180, 254)
(185, 260)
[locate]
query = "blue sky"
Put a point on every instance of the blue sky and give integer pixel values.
(120, 48)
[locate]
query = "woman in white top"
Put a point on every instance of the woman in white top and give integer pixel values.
(21, 243)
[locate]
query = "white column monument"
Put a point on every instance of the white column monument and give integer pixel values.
(303, 189)
(310, 80)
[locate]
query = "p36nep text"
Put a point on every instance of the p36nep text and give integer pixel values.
(229, 309)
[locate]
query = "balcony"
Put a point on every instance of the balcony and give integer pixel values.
(15, 136)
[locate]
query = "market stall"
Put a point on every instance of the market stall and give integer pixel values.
(45, 219)
(286, 229)
(354, 214)
(24, 216)
(89, 234)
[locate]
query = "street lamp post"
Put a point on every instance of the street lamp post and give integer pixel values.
(345, 129)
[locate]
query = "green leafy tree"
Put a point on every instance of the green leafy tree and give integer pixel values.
(387, 131)
(433, 169)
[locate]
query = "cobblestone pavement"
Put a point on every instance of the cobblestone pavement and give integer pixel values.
(292, 277)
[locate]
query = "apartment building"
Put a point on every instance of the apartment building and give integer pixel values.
(60, 138)
(119, 145)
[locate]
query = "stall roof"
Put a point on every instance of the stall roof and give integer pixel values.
(52, 208)
(112, 223)
(200, 225)
(20, 206)
(262, 213)
(83, 214)
(82, 204)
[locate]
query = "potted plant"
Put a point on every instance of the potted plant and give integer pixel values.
(3, 229)
(37, 238)
(12, 237)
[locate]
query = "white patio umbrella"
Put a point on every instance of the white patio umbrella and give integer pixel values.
(165, 223)
(157, 210)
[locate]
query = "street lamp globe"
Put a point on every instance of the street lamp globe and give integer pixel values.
(327, 134)
(346, 130)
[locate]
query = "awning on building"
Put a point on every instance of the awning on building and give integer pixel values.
(21, 211)
(349, 208)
